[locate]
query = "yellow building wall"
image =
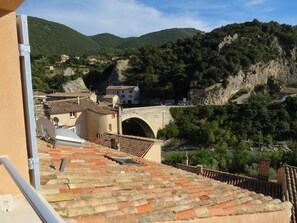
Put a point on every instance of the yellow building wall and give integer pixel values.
(99, 123)
(154, 154)
(12, 126)
(79, 122)
(10, 5)
(64, 119)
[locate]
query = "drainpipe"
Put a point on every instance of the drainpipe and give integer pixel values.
(24, 48)
(120, 120)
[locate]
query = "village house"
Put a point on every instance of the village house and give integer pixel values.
(64, 58)
(111, 99)
(101, 124)
(127, 94)
(83, 116)
(68, 95)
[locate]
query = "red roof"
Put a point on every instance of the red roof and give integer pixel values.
(290, 181)
(94, 188)
(83, 104)
(120, 87)
(136, 146)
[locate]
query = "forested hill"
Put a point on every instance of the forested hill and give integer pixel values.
(155, 38)
(172, 70)
(51, 38)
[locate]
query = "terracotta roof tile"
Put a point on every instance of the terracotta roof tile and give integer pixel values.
(112, 87)
(290, 178)
(70, 105)
(153, 193)
(136, 146)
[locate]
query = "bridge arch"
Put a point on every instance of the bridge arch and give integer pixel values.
(151, 118)
(137, 122)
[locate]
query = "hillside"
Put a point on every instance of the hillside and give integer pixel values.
(107, 40)
(155, 38)
(50, 38)
(160, 37)
(215, 65)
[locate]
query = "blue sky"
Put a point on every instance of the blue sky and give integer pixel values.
(137, 17)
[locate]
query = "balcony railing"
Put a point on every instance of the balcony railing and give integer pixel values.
(41, 209)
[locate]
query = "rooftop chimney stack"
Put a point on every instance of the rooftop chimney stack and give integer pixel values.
(264, 165)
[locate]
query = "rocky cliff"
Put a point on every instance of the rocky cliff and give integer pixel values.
(116, 77)
(77, 85)
(284, 70)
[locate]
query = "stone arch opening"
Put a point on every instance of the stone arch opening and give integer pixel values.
(137, 127)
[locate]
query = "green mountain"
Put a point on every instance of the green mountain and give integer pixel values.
(214, 59)
(107, 40)
(51, 38)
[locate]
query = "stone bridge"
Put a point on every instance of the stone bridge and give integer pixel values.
(150, 119)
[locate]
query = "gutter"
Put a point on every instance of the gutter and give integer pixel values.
(26, 76)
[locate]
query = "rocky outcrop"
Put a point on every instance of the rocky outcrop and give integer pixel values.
(77, 85)
(227, 41)
(68, 72)
(116, 77)
(282, 70)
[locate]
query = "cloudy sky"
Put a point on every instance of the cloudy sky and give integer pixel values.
(137, 17)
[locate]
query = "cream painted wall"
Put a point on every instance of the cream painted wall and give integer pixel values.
(79, 122)
(12, 126)
(154, 154)
(64, 119)
(99, 123)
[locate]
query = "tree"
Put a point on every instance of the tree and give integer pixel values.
(240, 157)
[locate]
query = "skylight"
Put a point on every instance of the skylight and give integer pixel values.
(125, 160)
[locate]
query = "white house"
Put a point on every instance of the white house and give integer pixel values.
(127, 94)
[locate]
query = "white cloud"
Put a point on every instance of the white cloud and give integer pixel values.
(252, 3)
(123, 18)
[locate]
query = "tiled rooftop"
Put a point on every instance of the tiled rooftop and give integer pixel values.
(136, 146)
(69, 105)
(69, 94)
(291, 186)
(267, 188)
(94, 188)
(120, 87)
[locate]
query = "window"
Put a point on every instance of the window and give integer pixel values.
(72, 114)
(130, 91)
(123, 96)
(130, 96)
(110, 127)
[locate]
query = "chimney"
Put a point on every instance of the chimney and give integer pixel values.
(264, 165)
(185, 161)
(113, 144)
